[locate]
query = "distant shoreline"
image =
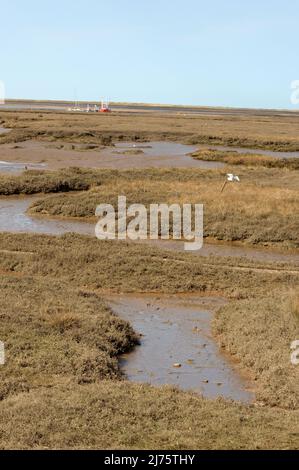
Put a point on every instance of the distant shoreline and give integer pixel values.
(40, 104)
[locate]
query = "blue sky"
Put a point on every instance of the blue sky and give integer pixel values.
(198, 52)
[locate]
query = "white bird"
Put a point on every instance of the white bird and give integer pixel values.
(231, 177)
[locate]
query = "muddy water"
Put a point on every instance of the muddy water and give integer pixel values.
(169, 152)
(154, 155)
(176, 331)
(227, 250)
(3, 130)
(12, 167)
(175, 154)
(159, 155)
(39, 155)
(13, 218)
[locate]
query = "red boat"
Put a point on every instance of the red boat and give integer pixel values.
(105, 108)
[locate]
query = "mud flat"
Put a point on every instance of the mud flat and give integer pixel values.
(176, 346)
(13, 166)
(154, 154)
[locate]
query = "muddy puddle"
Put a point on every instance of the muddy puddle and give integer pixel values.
(13, 218)
(13, 167)
(176, 346)
(3, 130)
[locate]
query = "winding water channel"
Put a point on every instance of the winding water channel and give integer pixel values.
(176, 344)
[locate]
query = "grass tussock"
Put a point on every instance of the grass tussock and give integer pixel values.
(35, 181)
(54, 333)
(258, 334)
(250, 160)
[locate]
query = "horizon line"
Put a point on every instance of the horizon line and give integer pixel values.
(149, 104)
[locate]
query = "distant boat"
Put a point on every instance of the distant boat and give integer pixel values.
(76, 107)
(105, 107)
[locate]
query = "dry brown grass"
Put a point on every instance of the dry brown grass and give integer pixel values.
(278, 132)
(61, 386)
(249, 212)
(248, 159)
(128, 267)
(34, 181)
(61, 343)
(76, 179)
(294, 304)
(258, 334)
(54, 333)
(115, 415)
